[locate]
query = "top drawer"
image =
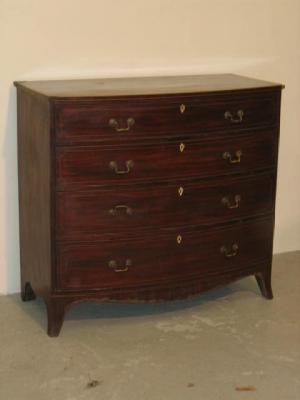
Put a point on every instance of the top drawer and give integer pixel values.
(133, 118)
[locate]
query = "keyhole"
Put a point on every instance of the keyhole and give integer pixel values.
(180, 191)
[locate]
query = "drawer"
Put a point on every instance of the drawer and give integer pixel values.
(130, 119)
(93, 166)
(89, 215)
(227, 251)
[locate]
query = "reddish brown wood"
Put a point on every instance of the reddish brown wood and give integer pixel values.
(90, 215)
(263, 279)
(89, 167)
(89, 121)
(34, 164)
(72, 245)
(86, 266)
(27, 292)
(146, 86)
(56, 309)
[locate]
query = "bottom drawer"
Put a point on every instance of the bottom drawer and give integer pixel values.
(112, 264)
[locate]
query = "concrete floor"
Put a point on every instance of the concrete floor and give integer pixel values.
(228, 344)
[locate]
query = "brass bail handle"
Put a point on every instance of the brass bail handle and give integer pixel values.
(113, 123)
(230, 253)
(228, 204)
(114, 166)
(117, 267)
(233, 160)
(114, 211)
(234, 120)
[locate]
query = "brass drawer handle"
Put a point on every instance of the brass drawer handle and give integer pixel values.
(228, 204)
(113, 123)
(114, 166)
(227, 253)
(120, 268)
(113, 211)
(227, 156)
(240, 115)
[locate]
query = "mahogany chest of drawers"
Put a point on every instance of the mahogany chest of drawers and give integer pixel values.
(145, 189)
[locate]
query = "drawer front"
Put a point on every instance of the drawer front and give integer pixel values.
(92, 166)
(89, 215)
(227, 251)
(130, 119)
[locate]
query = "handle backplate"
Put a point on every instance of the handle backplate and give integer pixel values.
(229, 253)
(232, 160)
(117, 267)
(226, 201)
(114, 166)
(113, 123)
(234, 120)
(114, 211)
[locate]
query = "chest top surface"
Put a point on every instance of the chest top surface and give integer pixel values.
(144, 86)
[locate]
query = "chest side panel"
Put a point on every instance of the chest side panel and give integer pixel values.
(34, 164)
